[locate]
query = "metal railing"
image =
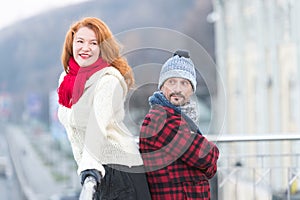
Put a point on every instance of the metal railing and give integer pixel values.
(246, 171)
(254, 176)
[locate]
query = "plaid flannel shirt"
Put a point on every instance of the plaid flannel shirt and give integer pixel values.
(178, 161)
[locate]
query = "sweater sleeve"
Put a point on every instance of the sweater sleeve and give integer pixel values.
(63, 115)
(107, 99)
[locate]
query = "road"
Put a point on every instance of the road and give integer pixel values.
(9, 186)
(9, 189)
(35, 177)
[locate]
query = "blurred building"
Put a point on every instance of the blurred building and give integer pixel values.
(258, 58)
(257, 50)
(56, 128)
(6, 102)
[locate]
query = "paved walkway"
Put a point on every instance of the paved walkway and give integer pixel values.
(43, 171)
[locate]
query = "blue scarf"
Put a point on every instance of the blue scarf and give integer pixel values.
(159, 99)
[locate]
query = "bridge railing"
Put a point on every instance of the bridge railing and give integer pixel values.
(264, 167)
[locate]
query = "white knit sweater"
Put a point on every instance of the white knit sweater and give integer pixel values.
(94, 124)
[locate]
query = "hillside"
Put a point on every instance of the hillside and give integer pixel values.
(30, 49)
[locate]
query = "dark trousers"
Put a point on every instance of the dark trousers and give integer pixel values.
(123, 183)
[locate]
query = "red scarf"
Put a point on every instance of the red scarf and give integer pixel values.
(71, 88)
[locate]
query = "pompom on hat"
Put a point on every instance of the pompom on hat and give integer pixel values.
(178, 66)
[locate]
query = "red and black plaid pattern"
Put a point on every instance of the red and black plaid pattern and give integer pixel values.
(178, 161)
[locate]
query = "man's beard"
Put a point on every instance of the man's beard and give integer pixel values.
(179, 99)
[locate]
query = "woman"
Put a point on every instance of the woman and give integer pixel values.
(92, 90)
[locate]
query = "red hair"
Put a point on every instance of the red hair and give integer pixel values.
(109, 47)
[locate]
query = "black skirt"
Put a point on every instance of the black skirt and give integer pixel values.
(123, 183)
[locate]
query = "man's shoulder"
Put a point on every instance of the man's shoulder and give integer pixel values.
(162, 110)
(158, 112)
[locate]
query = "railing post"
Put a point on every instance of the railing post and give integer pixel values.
(288, 189)
(254, 184)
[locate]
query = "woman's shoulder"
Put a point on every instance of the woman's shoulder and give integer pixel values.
(112, 71)
(108, 71)
(112, 75)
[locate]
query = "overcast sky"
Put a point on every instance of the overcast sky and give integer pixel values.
(14, 10)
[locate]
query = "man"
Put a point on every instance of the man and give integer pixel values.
(178, 159)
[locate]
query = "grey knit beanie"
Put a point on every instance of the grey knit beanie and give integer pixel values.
(178, 66)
